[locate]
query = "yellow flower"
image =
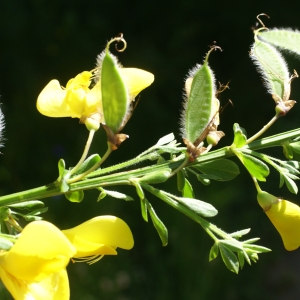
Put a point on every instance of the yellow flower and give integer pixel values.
(34, 268)
(285, 216)
(99, 236)
(78, 100)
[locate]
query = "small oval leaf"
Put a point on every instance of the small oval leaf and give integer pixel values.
(187, 191)
(214, 251)
(199, 207)
(88, 163)
(159, 225)
(229, 258)
(144, 210)
(219, 169)
(76, 196)
(255, 167)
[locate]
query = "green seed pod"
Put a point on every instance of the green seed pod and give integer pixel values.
(283, 38)
(115, 96)
(272, 67)
(199, 102)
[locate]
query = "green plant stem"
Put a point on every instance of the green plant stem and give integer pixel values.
(263, 130)
(85, 151)
(256, 184)
(184, 164)
(53, 189)
(93, 168)
(123, 165)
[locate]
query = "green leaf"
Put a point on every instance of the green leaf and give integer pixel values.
(273, 68)
(214, 251)
(199, 207)
(187, 191)
(256, 248)
(102, 194)
(64, 175)
(291, 150)
(281, 180)
(144, 209)
(254, 257)
(219, 169)
(4, 213)
(204, 179)
(241, 258)
(240, 136)
(158, 224)
(250, 241)
(198, 108)
(115, 97)
(288, 150)
(165, 139)
(33, 215)
(255, 167)
(138, 188)
(160, 160)
(156, 177)
(88, 163)
(284, 38)
(170, 149)
(240, 233)
(118, 195)
(292, 167)
(233, 245)
(229, 258)
(27, 204)
(5, 244)
(76, 196)
(246, 256)
(291, 185)
(180, 180)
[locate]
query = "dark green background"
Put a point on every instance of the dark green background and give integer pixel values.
(43, 40)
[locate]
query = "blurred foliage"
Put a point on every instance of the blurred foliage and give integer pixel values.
(42, 40)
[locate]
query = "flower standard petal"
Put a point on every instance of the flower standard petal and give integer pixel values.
(103, 231)
(41, 249)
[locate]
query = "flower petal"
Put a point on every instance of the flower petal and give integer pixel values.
(83, 79)
(52, 101)
(104, 230)
(52, 287)
(87, 248)
(41, 249)
(136, 80)
(285, 216)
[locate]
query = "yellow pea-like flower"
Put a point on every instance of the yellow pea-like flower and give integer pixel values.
(35, 266)
(285, 216)
(79, 100)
